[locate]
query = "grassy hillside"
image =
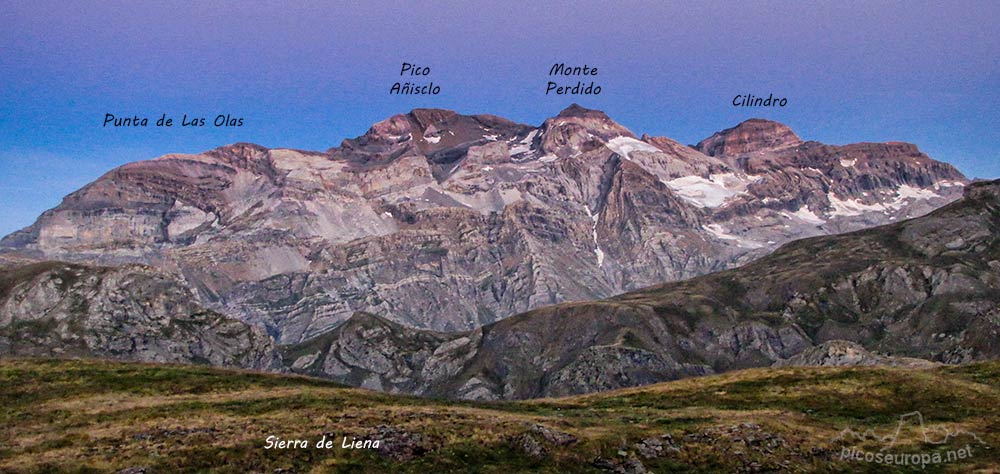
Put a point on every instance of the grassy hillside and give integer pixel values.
(94, 416)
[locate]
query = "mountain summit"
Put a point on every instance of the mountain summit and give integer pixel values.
(747, 137)
(444, 221)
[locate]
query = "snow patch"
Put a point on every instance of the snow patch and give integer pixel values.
(626, 145)
(519, 148)
(392, 138)
(847, 163)
(946, 183)
(805, 215)
(906, 191)
(854, 207)
(432, 139)
(711, 192)
(721, 233)
(597, 247)
(524, 145)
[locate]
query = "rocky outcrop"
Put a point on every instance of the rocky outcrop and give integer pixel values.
(927, 288)
(371, 352)
(448, 222)
(747, 137)
(134, 313)
(847, 354)
(548, 352)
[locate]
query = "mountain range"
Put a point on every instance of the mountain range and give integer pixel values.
(447, 222)
(474, 257)
(926, 288)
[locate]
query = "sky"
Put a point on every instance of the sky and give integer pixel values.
(306, 75)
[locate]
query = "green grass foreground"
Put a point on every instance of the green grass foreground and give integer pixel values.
(96, 416)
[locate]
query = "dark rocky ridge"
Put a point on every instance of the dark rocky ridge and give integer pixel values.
(133, 313)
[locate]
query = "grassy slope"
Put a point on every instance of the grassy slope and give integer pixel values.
(93, 416)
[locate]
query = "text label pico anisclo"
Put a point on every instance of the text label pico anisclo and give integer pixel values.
(414, 88)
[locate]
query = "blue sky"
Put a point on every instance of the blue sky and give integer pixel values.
(307, 75)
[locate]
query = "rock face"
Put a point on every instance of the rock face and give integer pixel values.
(135, 313)
(444, 221)
(925, 288)
(847, 354)
(748, 137)
(372, 352)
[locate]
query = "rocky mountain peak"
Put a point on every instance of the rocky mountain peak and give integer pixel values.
(432, 130)
(242, 155)
(398, 126)
(243, 149)
(591, 119)
(579, 129)
(426, 117)
(577, 110)
(749, 136)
